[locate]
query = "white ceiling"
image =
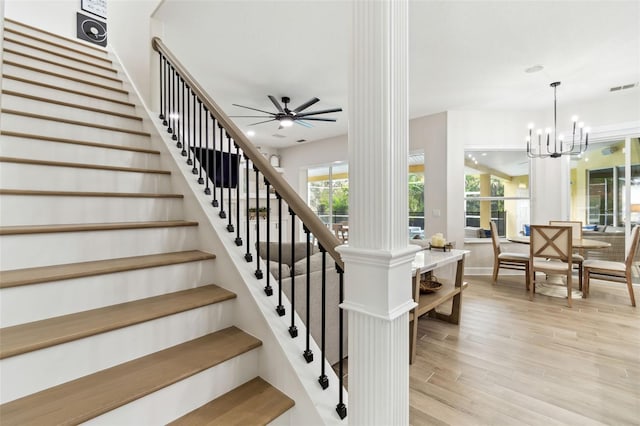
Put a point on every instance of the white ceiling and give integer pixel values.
(463, 54)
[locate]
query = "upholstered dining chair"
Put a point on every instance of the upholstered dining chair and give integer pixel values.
(614, 271)
(578, 258)
(506, 260)
(550, 252)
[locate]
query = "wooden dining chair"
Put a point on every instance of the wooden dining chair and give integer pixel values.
(506, 260)
(614, 271)
(578, 258)
(551, 252)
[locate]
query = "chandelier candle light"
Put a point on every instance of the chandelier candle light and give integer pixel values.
(560, 148)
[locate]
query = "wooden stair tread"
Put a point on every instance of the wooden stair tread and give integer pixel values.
(32, 192)
(71, 105)
(26, 276)
(67, 39)
(253, 403)
(23, 338)
(64, 76)
(81, 227)
(74, 122)
(64, 89)
(61, 46)
(58, 64)
(87, 397)
(81, 165)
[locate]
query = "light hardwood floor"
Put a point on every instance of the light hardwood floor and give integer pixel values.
(516, 362)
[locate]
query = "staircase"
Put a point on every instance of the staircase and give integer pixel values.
(109, 309)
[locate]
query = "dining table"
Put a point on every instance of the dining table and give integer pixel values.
(554, 286)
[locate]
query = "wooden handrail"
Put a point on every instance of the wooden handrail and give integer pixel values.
(312, 222)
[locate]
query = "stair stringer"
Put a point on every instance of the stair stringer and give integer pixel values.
(280, 362)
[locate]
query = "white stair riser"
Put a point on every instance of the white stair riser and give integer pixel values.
(76, 70)
(20, 210)
(61, 95)
(84, 54)
(93, 66)
(25, 251)
(57, 40)
(22, 304)
(20, 103)
(174, 401)
(34, 371)
(66, 83)
(29, 176)
(282, 420)
(18, 123)
(36, 149)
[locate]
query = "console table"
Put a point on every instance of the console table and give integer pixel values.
(425, 262)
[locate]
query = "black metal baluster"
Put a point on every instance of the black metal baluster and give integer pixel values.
(229, 177)
(207, 190)
(246, 161)
(166, 92)
(293, 330)
(192, 139)
(180, 126)
(323, 379)
(201, 152)
(308, 354)
(341, 409)
(222, 214)
(214, 202)
(173, 115)
(280, 309)
(268, 290)
(258, 273)
(247, 255)
(170, 99)
(161, 69)
(187, 134)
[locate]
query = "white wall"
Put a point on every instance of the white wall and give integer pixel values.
(57, 16)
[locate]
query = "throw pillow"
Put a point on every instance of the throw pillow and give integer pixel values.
(315, 264)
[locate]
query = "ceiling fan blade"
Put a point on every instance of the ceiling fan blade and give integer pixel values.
(260, 122)
(276, 103)
(318, 119)
(306, 105)
(255, 109)
(250, 116)
(322, 111)
(303, 124)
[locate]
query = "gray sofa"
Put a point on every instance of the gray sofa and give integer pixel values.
(613, 235)
(298, 273)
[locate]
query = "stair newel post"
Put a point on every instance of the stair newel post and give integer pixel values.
(268, 290)
(280, 309)
(170, 99)
(207, 160)
(187, 134)
(222, 214)
(228, 181)
(161, 70)
(180, 124)
(247, 255)
(201, 152)
(238, 238)
(308, 353)
(323, 379)
(214, 167)
(341, 409)
(258, 273)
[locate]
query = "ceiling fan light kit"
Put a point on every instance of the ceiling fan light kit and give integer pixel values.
(286, 116)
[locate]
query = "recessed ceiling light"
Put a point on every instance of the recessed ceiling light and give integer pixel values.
(251, 133)
(484, 154)
(533, 69)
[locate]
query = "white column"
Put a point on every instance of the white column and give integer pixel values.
(378, 258)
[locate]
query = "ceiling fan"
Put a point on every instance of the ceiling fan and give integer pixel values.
(286, 117)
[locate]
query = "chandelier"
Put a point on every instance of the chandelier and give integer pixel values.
(558, 146)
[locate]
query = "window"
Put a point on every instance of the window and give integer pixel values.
(416, 196)
(328, 189)
(496, 189)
